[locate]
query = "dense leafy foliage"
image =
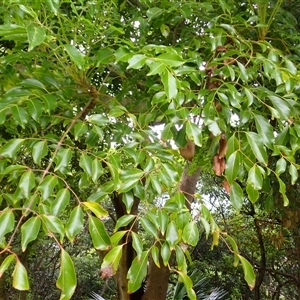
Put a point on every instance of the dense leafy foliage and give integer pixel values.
(84, 85)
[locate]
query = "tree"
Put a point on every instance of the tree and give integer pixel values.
(84, 85)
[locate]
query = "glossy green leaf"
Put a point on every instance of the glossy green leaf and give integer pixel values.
(60, 202)
(156, 67)
(128, 200)
(170, 59)
(75, 55)
(20, 277)
(96, 208)
(149, 227)
(255, 177)
(165, 252)
(7, 221)
(124, 221)
(234, 249)
(172, 234)
(137, 244)
(137, 272)
(253, 194)
(75, 223)
(98, 233)
(80, 129)
(265, 130)
(137, 61)
(249, 274)
(188, 285)
(280, 166)
(20, 115)
(62, 159)
(232, 166)
(236, 196)
(116, 237)
(47, 186)
(294, 173)
(54, 225)
(6, 263)
(257, 146)
(85, 162)
(27, 183)
(29, 231)
(11, 148)
(190, 234)
(67, 279)
(111, 261)
(170, 84)
(97, 170)
(39, 150)
(180, 258)
(163, 221)
(36, 35)
(282, 106)
(155, 255)
(194, 133)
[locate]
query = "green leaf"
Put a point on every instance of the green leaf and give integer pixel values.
(165, 253)
(188, 285)
(257, 146)
(170, 59)
(137, 61)
(255, 177)
(85, 162)
(291, 67)
(96, 208)
(117, 236)
(194, 133)
(75, 223)
(137, 244)
(281, 106)
(20, 115)
(163, 220)
(170, 84)
(180, 258)
(98, 233)
(149, 227)
(235, 249)
(172, 234)
(20, 277)
(53, 224)
(29, 231)
(294, 173)
(35, 108)
(62, 160)
(190, 234)
(111, 261)
(75, 55)
(7, 221)
(232, 166)
(61, 201)
(249, 274)
(236, 196)
(122, 54)
(52, 5)
(80, 129)
(281, 166)
(156, 67)
(137, 272)
(39, 150)
(128, 200)
(243, 70)
(124, 221)
(36, 35)
(155, 255)
(27, 183)
(265, 130)
(11, 148)
(253, 194)
(97, 170)
(47, 186)
(6, 263)
(66, 280)
(128, 178)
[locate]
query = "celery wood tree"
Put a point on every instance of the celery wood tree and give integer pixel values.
(84, 85)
